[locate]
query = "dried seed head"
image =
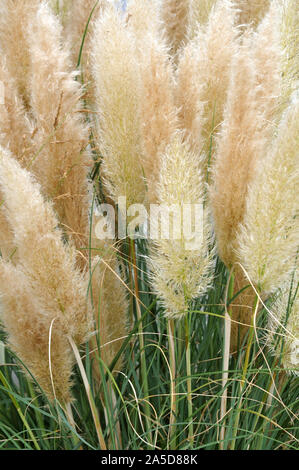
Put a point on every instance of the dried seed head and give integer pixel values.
(267, 242)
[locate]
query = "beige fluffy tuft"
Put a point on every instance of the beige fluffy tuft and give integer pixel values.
(15, 20)
(180, 273)
(203, 78)
(53, 283)
(61, 138)
(117, 84)
(290, 45)
(28, 325)
(268, 55)
(158, 113)
(251, 12)
(143, 18)
(175, 15)
(200, 11)
(268, 239)
(240, 144)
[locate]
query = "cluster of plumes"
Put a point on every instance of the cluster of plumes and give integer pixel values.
(188, 102)
(157, 110)
(204, 85)
(220, 101)
(255, 171)
(45, 204)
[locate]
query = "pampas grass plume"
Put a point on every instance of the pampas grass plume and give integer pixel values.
(175, 15)
(290, 46)
(143, 17)
(268, 238)
(180, 274)
(251, 11)
(61, 137)
(117, 84)
(203, 77)
(15, 20)
(240, 144)
(48, 262)
(28, 325)
(200, 11)
(158, 113)
(46, 270)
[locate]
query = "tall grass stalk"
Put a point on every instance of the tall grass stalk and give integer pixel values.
(226, 351)
(189, 379)
(173, 393)
(93, 407)
(245, 369)
(141, 342)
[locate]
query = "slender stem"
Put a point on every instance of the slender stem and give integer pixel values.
(116, 418)
(141, 342)
(189, 380)
(173, 407)
(250, 341)
(70, 418)
(244, 372)
(89, 395)
(225, 366)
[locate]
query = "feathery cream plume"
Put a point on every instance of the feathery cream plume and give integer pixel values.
(200, 11)
(48, 262)
(268, 239)
(16, 128)
(290, 45)
(15, 133)
(158, 113)
(61, 137)
(175, 15)
(203, 77)
(117, 84)
(52, 281)
(6, 238)
(240, 144)
(268, 54)
(250, 116)
(15, 19)
(76, 17)
(61, 8)
(143, 18)
(251, 11)
(181, 265)
(158, 118)
(188, 97)
(28, 326)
